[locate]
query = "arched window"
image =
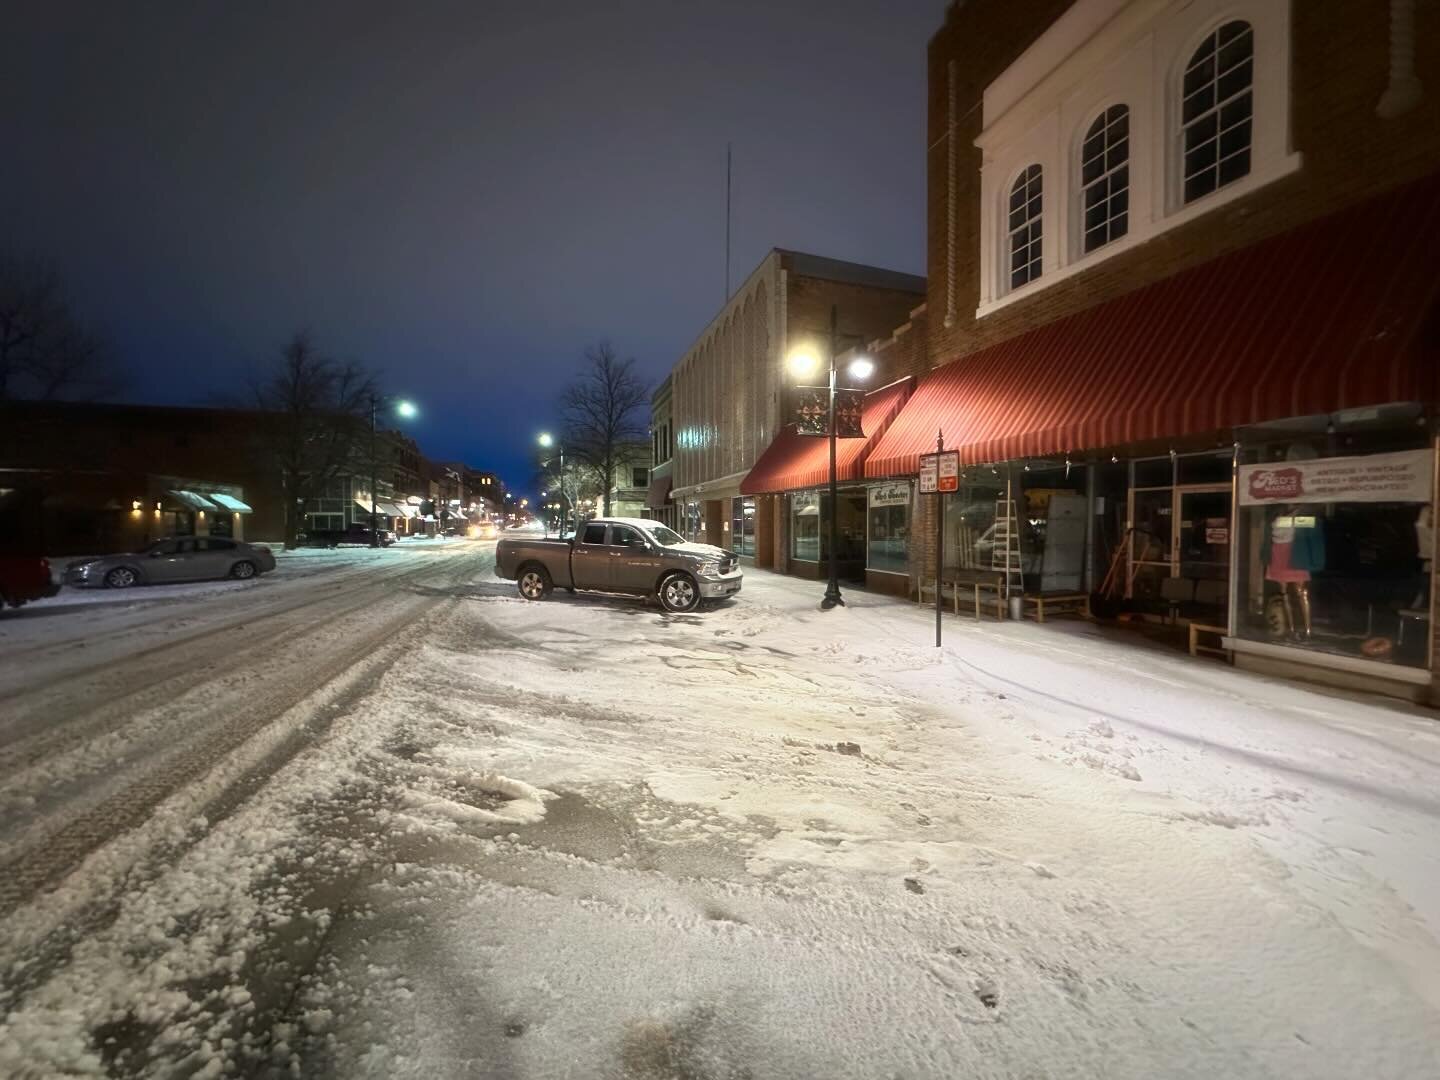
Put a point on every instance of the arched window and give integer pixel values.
(1105, 177)
(1025, 236)
(1216, 110)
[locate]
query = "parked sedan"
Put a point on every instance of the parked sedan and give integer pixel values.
(177, 558)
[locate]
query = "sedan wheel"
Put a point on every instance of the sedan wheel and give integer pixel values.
(243, 570)
(678, 593)
(122, 577)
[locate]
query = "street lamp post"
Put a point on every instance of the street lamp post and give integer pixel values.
(547, 440)
(802, 362)
(406, 410)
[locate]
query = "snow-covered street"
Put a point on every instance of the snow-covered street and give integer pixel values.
(374, 815)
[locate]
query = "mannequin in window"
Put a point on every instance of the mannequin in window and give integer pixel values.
(1294, 547)
(1425, 547)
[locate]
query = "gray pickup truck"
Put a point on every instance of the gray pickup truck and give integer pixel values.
(622, 555)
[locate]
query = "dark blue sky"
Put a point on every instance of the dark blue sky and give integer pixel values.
(461, 195)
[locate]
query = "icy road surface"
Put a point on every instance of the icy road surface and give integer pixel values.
(373, 815)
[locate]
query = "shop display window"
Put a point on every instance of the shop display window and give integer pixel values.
(809, 526)
(742, 526)
(970, 528)
(1335, 549)
(889, 536)
(805, 527)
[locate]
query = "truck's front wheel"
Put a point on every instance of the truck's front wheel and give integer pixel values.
(534, 583)
(678, 592)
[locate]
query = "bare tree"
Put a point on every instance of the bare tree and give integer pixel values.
(46, 350)
(314, 422)
(600, 411)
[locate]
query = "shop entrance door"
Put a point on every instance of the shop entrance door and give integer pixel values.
(1151, 542)
(1201, 552)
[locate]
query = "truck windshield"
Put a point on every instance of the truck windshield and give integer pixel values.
(666, 537)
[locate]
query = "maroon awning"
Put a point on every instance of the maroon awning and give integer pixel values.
(1324, 317)
(658, 497)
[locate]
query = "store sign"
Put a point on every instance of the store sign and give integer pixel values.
(890, 495)
(1400, 477)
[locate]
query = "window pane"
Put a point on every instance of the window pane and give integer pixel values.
(1017, 196)
(1119, 225)
(1200, 73)
(1237, 44)
(1233, 168)
(1236, 81)
(1119, 123)
(1200, 159)
(1196, 186)
(1234, 140)
(1117, 154)
(1235, 112)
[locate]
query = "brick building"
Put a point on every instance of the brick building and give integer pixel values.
(730, 395)
(1182, 319)
(662, 449)
(80, 479)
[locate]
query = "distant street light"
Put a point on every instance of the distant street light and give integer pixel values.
(547, 440)
(406, 410)
(804, 363)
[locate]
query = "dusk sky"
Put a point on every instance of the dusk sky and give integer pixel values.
(459, 195)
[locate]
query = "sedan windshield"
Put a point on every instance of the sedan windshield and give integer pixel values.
(666, 537)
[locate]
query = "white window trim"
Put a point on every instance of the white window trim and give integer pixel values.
(1137, 58)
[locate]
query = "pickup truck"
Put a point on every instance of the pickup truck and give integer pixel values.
(621, 555)
(24, 578)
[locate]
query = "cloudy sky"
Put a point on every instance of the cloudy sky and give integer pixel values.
(461, 195)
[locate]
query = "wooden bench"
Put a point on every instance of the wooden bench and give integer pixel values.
(987, 587)
(1059, 603)
(975, 584)
(1198, 630)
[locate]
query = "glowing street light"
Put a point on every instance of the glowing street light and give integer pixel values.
(406, 410)
(805, 364)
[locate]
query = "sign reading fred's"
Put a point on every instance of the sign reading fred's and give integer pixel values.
(1401, 477)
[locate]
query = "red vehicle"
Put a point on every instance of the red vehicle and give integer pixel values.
(24, 578)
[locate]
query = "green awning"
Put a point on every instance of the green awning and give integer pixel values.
(229, 502)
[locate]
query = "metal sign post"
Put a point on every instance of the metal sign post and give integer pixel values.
(939, 475)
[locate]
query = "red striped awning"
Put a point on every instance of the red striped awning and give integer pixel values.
(1324, 317)
(793, 462)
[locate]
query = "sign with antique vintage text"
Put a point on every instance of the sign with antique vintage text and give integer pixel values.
(894, 494)
(1400, 477)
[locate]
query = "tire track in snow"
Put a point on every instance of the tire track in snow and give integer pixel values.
(51, 856)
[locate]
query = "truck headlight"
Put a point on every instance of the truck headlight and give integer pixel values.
(709, 568)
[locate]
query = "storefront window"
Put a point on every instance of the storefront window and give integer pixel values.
(805, 526)
(973, 541)
(693, 524)
(742, 526)
(889, 528)
(1334, 549)
(1053, 526)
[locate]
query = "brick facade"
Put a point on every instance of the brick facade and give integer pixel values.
(1340, 65)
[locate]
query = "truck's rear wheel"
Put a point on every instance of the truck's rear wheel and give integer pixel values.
(534, 583)
(678, 592)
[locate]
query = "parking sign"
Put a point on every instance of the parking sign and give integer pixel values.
(940, 472)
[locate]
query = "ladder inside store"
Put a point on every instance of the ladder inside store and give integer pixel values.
(1005, 552)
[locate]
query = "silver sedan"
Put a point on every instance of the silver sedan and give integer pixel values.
(177, 558)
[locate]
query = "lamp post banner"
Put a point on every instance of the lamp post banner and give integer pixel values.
(812, 406)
